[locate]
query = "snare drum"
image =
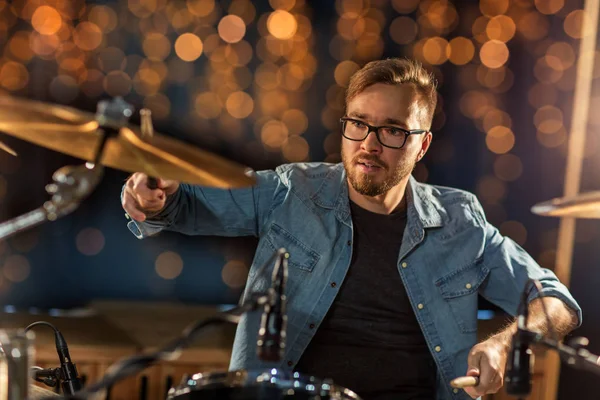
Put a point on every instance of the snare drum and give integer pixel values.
(258, 385)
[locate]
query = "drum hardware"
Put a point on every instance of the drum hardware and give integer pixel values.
(518, 377)
(106, 138)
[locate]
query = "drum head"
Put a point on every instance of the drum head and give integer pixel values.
(258, 385)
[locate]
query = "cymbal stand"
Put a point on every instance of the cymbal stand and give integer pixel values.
(72, 184)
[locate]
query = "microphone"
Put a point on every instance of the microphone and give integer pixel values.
(518, 377)
(68, 372)
(272, 332)
(70, 379)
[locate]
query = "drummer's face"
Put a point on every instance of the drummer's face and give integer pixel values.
(372, 168)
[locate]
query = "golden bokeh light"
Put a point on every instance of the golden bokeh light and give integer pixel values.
(560, 56)
(514, 230)
(142, 8)
(494, 54)
(273, 103)
(403, 30)
(405, 6)
(435, 50)
(295, 149)
(552, 140)
(533, 25)
(87, 36)
(352, 8)
(44, 45)
(13, 76)
(274, 134)
(291, 76)
(548, 119)
(46, 20)
(491, 189)
(16, 268)
(343, 72)
(351, 28)
(500, 139)
(146, 82)
(104, 17)
(491, 8)
(234, 274)
(243, 9)
(208, 105)
(460, 50)
(491, 77)
(575, 23)
(549, 6)
(545, 73)
(474, 104)
(239, 104)
(201, 8)
(508, 167)
(296, 121)
(168, 265)
(188, 47)
(19, 46)
(89, 241)
(117, 83)
(282, 25)
(479, 29)
(267, 76)
(286, 5)
(231, 28)
(496, 117)
(156, 46)
(501, 27)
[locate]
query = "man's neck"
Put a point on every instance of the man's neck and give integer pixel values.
(385, 203)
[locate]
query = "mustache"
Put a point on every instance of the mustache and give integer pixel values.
(370, 158)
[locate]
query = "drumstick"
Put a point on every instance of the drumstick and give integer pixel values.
(464, 381)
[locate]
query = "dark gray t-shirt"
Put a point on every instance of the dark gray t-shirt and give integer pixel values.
(370, 340)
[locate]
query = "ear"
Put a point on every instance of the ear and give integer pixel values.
(424, 145)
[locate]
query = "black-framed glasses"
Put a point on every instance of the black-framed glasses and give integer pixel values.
(389, 136)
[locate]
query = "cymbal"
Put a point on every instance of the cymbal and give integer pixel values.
(584, 205)
(77, 134)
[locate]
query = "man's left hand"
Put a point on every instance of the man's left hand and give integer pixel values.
(487, 360)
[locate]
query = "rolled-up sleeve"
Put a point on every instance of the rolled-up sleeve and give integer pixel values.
(197, 210)
(511, 267)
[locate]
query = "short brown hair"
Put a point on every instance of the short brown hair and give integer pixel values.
(396, 71)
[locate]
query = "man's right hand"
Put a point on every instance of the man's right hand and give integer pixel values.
(139, 200)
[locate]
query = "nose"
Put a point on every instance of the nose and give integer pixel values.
(371, 143)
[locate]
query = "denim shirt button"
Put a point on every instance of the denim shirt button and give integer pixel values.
(333, 284)
(290, 363)
(420, 306)
(438, 349)
(349, 242)
(455, 391)
(404, 265)
(312, 326)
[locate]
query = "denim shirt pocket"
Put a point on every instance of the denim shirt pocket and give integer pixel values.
(301, 255)
(459, 289)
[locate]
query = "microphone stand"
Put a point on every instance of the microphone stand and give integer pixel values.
(576, 356)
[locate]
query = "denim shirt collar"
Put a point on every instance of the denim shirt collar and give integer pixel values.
(421, 205)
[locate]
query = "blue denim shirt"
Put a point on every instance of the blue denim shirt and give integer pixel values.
(449, 255)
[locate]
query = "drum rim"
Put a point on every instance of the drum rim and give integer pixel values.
(249, 377)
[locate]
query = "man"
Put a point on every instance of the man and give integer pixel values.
(384, 272)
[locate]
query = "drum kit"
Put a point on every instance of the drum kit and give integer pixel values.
(107, 139)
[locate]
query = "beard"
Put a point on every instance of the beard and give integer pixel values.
(369, 185)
